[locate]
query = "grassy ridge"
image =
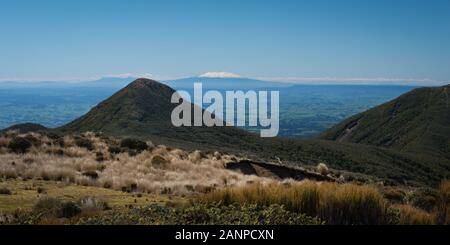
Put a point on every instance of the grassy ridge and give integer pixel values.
(418, 122)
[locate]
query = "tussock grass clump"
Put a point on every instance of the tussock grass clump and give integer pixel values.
(322, 169)
(408, 215)
(443, 204)
(49, 207)
(333, 203)
(4, 141)
(394, 195)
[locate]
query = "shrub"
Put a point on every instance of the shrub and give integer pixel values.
(134, 144)
(114, 149)
(48, 207)
(69, 210)
(19, 145)
(5, 191)
(443, 204)
(322, 169)
(425, 199)
(85, 143)
(91, 174)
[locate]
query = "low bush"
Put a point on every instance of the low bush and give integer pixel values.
(425, 199)
(134, 144)
(5, 191)
(114, 149)
(85, 143)
(70, 209)
(48, 207)
(19, 145)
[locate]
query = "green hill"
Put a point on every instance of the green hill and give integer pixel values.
(143, 110)
(25, 128)
(417, 122)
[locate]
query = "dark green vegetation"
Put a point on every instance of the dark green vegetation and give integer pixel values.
(199, 214)
(416, 122)
(142, 110)
(25, 128)
(19, 145)
(133, 144)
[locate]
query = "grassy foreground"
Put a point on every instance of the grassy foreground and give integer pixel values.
(301, 203)
(336, 204)
(25, 194)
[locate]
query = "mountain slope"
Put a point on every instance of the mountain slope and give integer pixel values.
(25, 128)
(417, 122)
(143, 110)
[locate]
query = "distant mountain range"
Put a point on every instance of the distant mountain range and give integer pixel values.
(221, 83)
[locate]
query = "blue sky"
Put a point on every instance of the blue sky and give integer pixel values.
(282, 40)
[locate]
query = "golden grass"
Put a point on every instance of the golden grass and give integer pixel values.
(157, 170)
(413, 216)
(443, 204)
(336, 204)
(25, 195)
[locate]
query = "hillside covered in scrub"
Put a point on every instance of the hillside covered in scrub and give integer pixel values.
(416, 122)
